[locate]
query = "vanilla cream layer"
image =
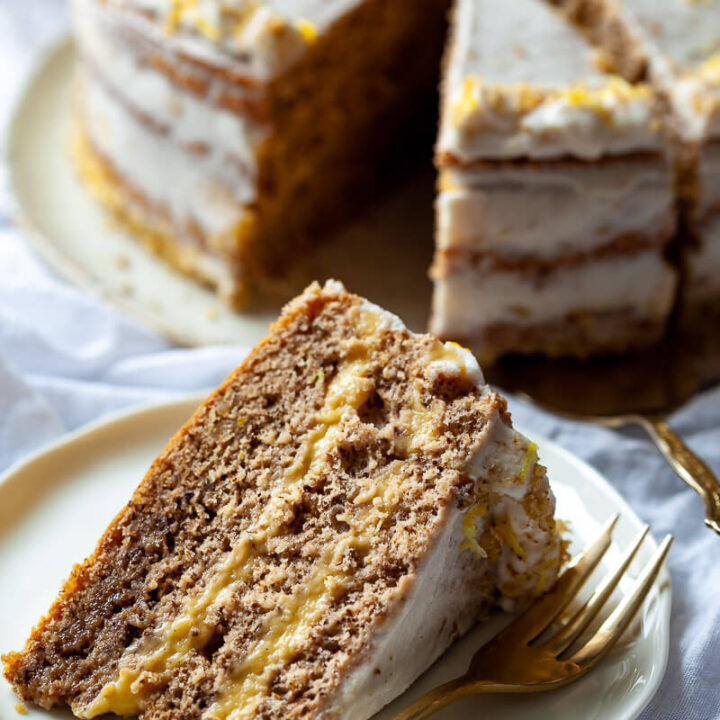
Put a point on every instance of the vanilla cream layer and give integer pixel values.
(420, 625)
(204, 189)
(187, 118)
(521, 82)
(257, 38)
(553, 210)
(468, 301)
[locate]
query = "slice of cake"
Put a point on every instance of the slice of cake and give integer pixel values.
(228, 134)
(555, 202)
(347, 503)
(680, 45)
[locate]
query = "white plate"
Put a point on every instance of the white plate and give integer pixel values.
(384, 255)
(55, 505)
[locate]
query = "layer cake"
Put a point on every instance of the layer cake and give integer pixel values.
(555, 205)
(679, 44)
(230, 134)
(347, 503)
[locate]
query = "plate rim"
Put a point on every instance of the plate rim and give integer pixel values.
(190, 401)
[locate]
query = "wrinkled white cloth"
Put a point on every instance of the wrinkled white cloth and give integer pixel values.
(67, 359)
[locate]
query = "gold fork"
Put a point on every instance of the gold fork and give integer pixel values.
(522, 659)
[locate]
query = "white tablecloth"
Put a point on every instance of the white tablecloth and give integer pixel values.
(67, 359)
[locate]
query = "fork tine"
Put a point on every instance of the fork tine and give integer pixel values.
(546, 609)
(584, 616)
(611, 630)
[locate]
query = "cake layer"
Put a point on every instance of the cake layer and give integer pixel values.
(469, 300)
(546, 211)
(348, 502)
(521, 82)
(258, 126)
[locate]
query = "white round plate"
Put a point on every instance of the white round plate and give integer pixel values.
(54, 506)
(383, 255)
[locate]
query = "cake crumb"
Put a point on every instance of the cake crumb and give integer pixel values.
(20, 709)
(212, 313)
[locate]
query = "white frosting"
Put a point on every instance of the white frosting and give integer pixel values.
(553, 210)
(410, 640)
(466, 302)
(522, 83)
(260, 38)
(187, 118)
(203, 188)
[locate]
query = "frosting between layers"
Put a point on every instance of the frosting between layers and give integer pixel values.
(553, 210)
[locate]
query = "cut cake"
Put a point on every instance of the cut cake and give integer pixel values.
(229, 134)
(678, 45)
(347, 503)
(555, 205)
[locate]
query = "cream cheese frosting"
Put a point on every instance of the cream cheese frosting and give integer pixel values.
(504, 210)
(522, 83)
(469, 300)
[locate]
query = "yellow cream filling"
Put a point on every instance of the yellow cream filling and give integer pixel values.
(295, 618)
(528, 462)
(470, 530)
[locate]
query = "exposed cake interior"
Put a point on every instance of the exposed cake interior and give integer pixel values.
(346, 504)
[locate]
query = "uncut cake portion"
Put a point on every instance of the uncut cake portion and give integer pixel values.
(347, 503)
(555, 202)
(228, 135)
(679, 42)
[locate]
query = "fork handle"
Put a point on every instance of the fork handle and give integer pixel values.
(687, 465)
(443, 695)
